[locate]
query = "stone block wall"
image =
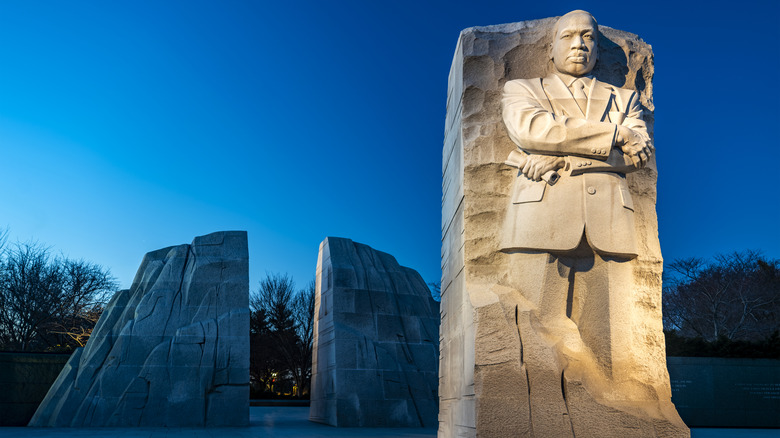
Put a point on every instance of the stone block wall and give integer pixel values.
(726, 392)
(375, 341)
(25, 378)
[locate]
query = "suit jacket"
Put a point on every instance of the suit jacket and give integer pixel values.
(592, 195)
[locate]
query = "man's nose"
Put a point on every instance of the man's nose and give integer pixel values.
(577, 42)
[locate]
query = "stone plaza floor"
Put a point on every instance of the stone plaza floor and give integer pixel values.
(292, 422)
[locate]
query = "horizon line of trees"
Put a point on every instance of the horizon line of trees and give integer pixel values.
(728, 306)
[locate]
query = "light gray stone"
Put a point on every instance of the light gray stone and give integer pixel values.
(376, 335)
(528, 348)
(173, 350)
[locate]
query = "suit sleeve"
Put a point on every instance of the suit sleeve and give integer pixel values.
(617, 161)
(536, 130)
(634, 116)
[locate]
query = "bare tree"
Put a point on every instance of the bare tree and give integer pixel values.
(283, 328)
(48, 302)
(78, 328)
(736, 297)
(275, 297)
(303, 306)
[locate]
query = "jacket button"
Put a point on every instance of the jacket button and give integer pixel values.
(592, 190)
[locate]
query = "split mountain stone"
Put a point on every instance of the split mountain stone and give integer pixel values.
(173, 350)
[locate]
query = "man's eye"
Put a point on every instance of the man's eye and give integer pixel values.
(588, 36)
(565, 35)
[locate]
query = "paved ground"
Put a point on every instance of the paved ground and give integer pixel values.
(292, 422)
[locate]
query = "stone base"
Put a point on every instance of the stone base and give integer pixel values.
(538, 389)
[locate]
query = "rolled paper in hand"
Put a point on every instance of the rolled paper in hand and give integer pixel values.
(551, 177)
(517, 159)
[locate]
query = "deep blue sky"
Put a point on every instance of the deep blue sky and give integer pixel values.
(127, 126)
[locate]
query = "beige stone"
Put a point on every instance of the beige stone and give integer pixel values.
(551, 266)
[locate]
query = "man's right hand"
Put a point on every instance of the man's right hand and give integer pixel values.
(536, 166)
(634, 145)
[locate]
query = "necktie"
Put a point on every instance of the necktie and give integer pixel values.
(578, 91)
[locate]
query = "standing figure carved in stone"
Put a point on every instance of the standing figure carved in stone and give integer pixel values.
(570, 226)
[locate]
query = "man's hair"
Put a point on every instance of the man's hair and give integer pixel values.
(578, 11)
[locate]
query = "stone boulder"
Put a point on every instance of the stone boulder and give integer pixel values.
(173, 350)
(376, 335)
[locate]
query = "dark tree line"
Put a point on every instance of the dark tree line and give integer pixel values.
(281, 335)
(48, 302)
(728, 306)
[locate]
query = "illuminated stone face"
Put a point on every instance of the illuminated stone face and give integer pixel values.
(575, 44)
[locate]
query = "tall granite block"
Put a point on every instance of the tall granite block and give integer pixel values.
(507, 368)
(173, 350)
(376, 332)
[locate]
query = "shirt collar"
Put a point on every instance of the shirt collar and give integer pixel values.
(568, 79)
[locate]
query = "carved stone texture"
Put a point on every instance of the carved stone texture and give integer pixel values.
(376, 331)
(523, 354)
(173, 350)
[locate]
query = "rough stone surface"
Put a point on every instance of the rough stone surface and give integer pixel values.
(376, 336)
(173, 350)
(499, 377)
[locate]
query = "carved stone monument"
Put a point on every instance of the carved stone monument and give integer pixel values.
(376, 331)
(173, 350)
(551, 284)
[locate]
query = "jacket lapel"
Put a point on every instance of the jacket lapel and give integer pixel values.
(562, 101)
(598, 100)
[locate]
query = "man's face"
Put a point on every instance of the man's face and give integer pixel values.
(575, 47)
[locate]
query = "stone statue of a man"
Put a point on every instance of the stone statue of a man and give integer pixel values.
(592, 131)
(551, 320)
(570, 225)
